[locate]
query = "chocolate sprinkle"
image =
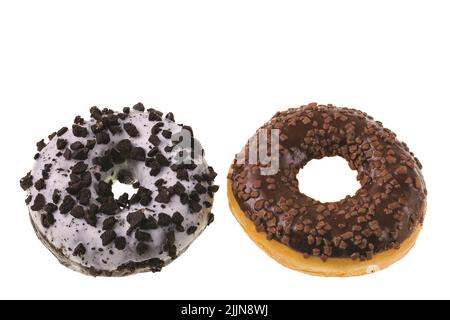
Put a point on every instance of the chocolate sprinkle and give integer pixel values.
(382, 214)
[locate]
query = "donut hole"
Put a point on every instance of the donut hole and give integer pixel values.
(328, 180)
(123, 184)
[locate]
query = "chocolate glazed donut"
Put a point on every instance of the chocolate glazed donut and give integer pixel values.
(357, 235)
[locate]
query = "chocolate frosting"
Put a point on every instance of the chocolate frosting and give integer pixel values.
(384, 212)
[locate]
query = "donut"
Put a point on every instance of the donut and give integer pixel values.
(357, 235)
(88, 228)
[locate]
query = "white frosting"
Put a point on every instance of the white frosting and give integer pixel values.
(67, 232)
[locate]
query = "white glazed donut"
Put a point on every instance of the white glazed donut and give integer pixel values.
(77, 217)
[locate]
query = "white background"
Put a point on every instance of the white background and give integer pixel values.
(225, 67)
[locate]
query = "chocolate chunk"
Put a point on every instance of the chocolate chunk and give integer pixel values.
(135, 219)
(50, 207)
(154, 140)
(153, 115)
(102, 137)
(114, 129)
(61, 144)
(40, 145)
(117, 157)
(191, 230)
(39, 202)
(81, 154)
(45, 175)
(109, 206)
(137, 154)
(126, 110)
(162, 160)
(84, 196)
(96, 113)
(179, 228)
(155, 167)
(179, 189)
(51, 136)
(157, 128)
(67, 154)
(79, 251)
(77, 212)
(120, 243)
(210, 218)
(78, 120)
(76, 145)
(142, 236)
(164, 219)
(124, 146)
(61, 131)
(47, 220)
(160, 182)
(93, 209)
(108, 223)
(79, 131)
(182, 174)
(139, 106)
(163, 195)
(66, 205)
(142, 248)
(79, 168)
(104, 162)
(153, 152)
(207, 204)
(170, 116)
(26, 182)
(125, 176)
(98, 127)
(145, 196)
(36, 156)
(91, 219)
(104, 189)
(166, 134)
(90, 144)
(195, 207)
(108, 237)
(177, 218)
(56, 196)
(28, 200)
(200, 188)
(123, 200)
(149, 224)
(213, 189)
(184, 198)
(131, 129)
(85, 179)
